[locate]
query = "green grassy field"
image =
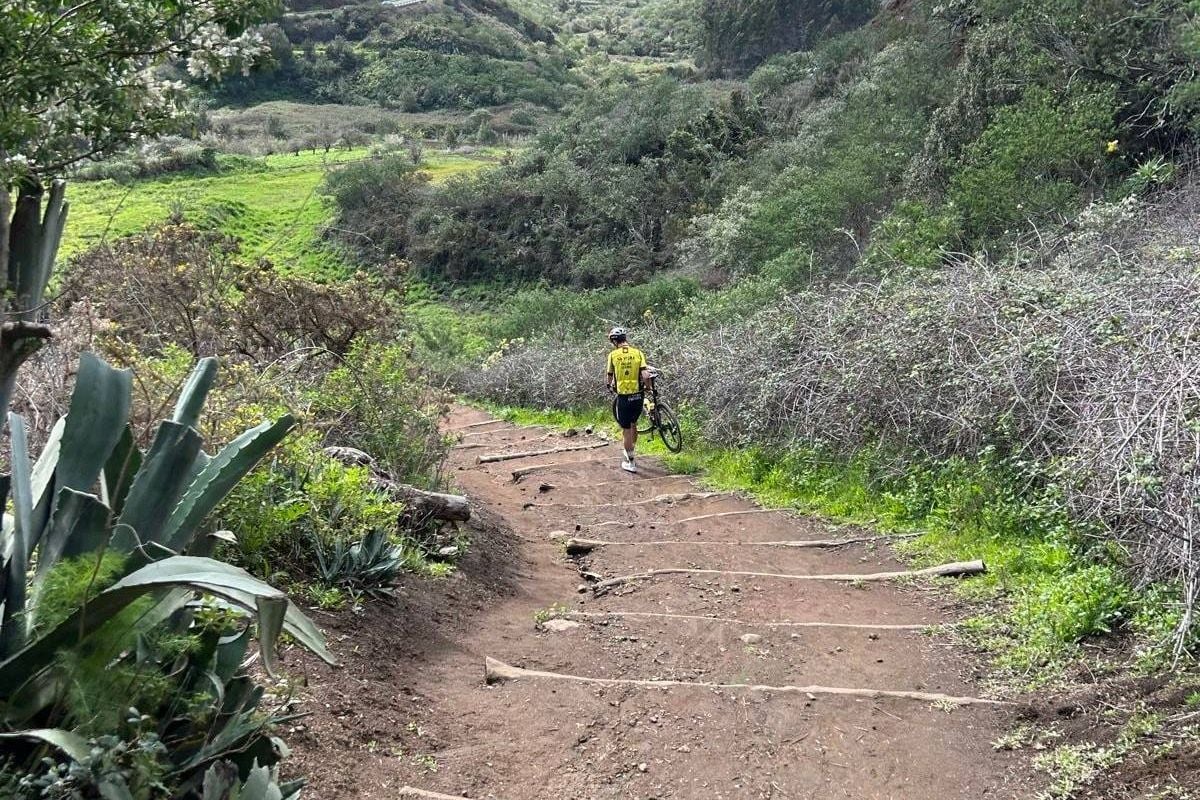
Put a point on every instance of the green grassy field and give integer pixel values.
(270, 204)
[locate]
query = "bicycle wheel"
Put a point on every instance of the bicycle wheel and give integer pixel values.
(668, 428)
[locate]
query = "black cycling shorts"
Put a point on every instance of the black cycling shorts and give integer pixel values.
(629, 409)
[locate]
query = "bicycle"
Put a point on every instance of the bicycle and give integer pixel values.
(659, 417)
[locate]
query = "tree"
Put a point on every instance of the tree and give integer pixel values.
(79, 80)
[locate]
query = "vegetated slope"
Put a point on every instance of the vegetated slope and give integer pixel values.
(931, 129)
(738, 36)
(656, 29)
(429, 55)
(919, 272)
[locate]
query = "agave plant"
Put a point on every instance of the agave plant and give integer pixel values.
(370, 565)
(92, 492)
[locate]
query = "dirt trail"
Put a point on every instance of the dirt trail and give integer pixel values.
(410, 707)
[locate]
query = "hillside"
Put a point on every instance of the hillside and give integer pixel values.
(422, 56)
(311, 341)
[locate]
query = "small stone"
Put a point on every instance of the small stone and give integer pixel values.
(557, 535)
(810, 695)
(643, 767)
(582, 588)
(546, 487)
(589, 429)
(560, 625)
(751, 638)
(570, 433)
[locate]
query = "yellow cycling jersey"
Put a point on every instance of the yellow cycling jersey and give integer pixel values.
(626, 364)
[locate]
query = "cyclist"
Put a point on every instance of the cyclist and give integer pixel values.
(628, 375)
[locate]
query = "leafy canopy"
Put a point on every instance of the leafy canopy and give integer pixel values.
(80, 78)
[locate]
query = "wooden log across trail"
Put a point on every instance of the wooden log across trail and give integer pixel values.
(497, 457)
(700, 518)
(497, 672)
(723, 514)
(662, 498)
(956, 569)
(579, 547)
(476, 425)
(858, 626)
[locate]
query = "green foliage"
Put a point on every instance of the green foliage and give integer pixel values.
(379, 402)
(1040, 156)
(819, 193)
(737, 36)
(84, 80)
(301, 496)
(1065, 609)
(914, 235)
(653, 29)
(271, 205)
(370, 565)
(106, 629)
(374, 200)
(600, 201)
(447, 57)
(72, 582)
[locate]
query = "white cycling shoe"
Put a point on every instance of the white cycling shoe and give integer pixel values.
(629, 464)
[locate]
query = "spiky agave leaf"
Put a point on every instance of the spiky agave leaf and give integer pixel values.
(227, 582)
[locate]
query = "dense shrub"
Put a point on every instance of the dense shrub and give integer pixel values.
(183, 286)
(440, 56)
(160, 157)
(737, 36)
(1065, 362)
(600, 201)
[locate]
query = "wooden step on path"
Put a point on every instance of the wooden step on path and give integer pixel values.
(498, 672)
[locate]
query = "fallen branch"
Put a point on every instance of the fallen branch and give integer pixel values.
(578, 547)
(957, 569)
(475, 425)
(497, 457)
(748, 623)
(498, 672)
(446, 507)
(662, 498)
(729, 514)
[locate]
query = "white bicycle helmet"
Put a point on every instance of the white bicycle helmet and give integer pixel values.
(618, 333)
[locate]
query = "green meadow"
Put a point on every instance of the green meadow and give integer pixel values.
(271, 204)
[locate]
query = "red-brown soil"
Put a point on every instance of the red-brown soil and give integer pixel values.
(409, 705)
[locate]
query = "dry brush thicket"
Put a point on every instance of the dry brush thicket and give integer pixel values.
(1078, 352)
